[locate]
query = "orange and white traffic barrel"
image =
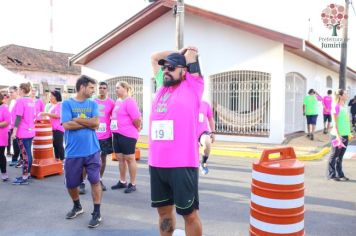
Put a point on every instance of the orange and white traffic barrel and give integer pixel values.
(43, 140)
(44, 163)
(277, 194)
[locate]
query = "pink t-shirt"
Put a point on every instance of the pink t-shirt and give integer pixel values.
(105, 109)
(205, 113)
(12, 112)
(25, 107)
(39, 107)
(4, 116)
(173, 125)
(56, 122)
(123, 115)
(327, 101)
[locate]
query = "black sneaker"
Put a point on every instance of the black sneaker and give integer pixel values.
(131, 188)
(95, 220)
(103, 187)
(76, 211)
(13, 163)
(119, 185)
(82, 188)
(312, 137)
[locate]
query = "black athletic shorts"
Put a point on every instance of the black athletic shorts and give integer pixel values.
(327, 118)
(175, 186)
(123, 144)
(106, 146)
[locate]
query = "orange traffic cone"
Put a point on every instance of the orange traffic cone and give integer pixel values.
(44, 163)
(277, 195)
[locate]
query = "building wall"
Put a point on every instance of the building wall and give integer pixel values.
(221, 48)
(54, 80)
(315, 76)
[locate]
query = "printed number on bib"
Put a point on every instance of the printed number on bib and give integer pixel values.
(102, 128)
(162, 130)
(201, 117)
(113, 125)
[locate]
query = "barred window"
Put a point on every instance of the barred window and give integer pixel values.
(241, 102)
(329, 81)
(136, 84)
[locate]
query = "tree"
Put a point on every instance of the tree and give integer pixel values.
(334, 17)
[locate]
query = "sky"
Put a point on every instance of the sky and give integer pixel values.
(79, 23)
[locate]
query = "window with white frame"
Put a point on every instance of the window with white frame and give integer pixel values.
(136, 84)
(241, 102)
(329, 81)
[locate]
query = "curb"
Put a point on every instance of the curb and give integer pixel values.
(233, 153)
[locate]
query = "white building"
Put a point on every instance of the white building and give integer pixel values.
(256, 78)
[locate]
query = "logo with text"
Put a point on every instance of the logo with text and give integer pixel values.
(334, 18)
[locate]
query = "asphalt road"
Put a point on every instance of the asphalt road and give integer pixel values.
(40, 208)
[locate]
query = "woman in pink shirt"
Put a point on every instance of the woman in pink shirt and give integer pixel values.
(39, 105)
(4, 133)
(54, 113)
(125, 126)
(24, 130)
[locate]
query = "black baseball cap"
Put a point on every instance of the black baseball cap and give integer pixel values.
(174, 59)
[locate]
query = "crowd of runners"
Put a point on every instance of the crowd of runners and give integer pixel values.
(89, 127)
(335, 112)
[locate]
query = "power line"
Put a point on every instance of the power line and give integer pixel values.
(353, 8)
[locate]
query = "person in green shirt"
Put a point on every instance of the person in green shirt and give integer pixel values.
(340, 135)
(310, 110)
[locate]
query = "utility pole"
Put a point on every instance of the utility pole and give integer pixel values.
(51, 26)
(343, 60)
(179, 10)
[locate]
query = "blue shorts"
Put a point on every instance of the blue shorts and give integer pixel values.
(73, 169)
(311, 120)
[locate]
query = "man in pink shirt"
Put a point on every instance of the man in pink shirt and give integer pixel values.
(206, 134)
(327, 101)
(173, 143)
(105, 105)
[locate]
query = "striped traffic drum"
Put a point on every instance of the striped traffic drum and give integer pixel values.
(43, 140)
(44, 163)
(277, 194)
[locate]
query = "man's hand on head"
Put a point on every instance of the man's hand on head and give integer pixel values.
(191, 54)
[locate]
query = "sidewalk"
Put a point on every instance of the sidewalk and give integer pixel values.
(304, 148)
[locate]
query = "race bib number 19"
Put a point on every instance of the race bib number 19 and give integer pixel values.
(162, 130)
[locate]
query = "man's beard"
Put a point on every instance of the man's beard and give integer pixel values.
(169, 81)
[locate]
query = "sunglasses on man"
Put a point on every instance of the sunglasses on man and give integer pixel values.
(170, 68)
